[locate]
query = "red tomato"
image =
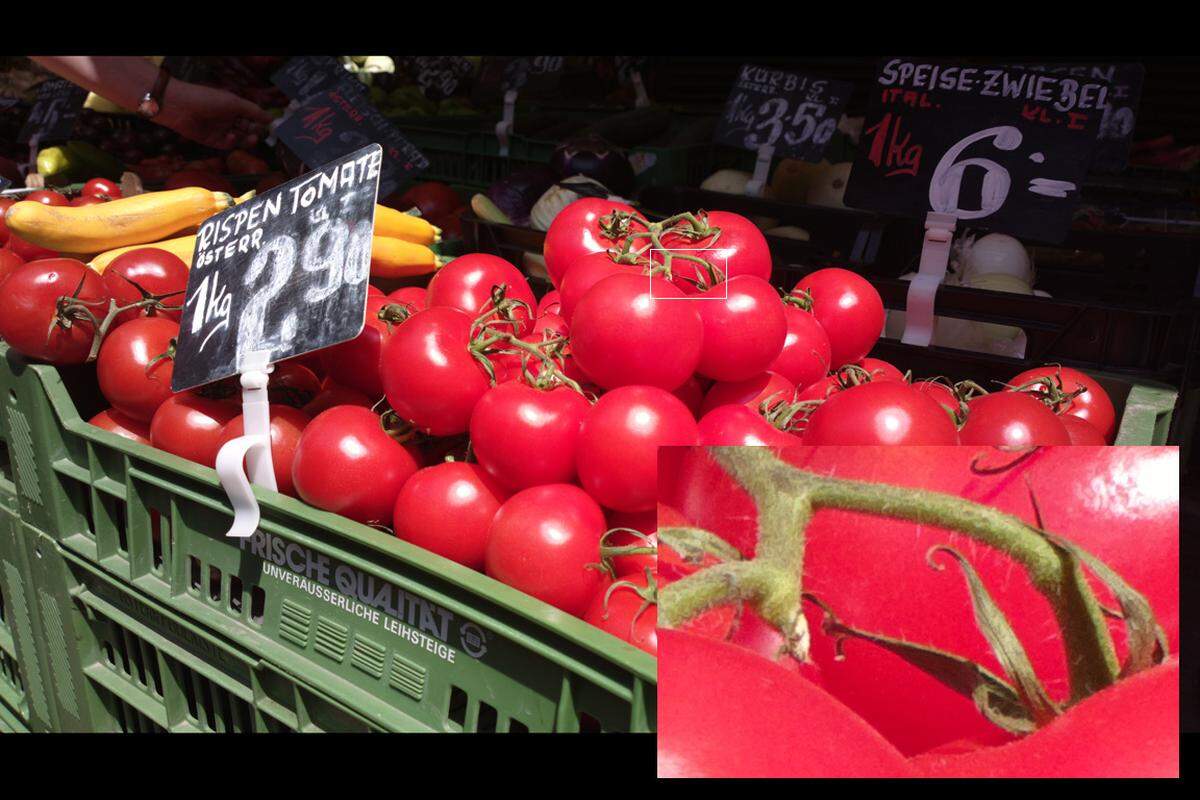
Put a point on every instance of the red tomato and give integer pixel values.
(880, 412)
(551, 303)
(744, 332)
(28, 250)
(542, 541)
(880, 370)
(1130, 730)
(127, 378)
(372, 289)
(347, 464)
(335, 395)
(1094, 405)
(448, 509)
(146, 271)
(584, 273)
(432, 198)
(739, 249)
(527, 437)
(806, 354)
(550, 326)
(87, 200)
(848, 308)
(411, 297)
(625, 613)
(691, 392)
(575, 232)
(115, 422)
(5, 204)
(199, 177)
(618, 444)
(102, 188)
(48, 197)
(429, 375)
(1081, 431)
(466, 284)
(752, 392)
(644, 521)
(190, 426)
(1011, 419)
(622, 335)
(739, 426)
(941, 393)
(356, 363)
(724, 712)
(293, 384)
(9, 261)
(29, 309)
(287, 425)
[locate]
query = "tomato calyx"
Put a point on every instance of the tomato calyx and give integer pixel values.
(1050, 391)
(168, 354)
(800, 298)
(647, 593)
(688, 226)
(770, 583)
(393, 314)
(151, 303)
(610, 552)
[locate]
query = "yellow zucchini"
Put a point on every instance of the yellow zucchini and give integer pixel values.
(182, 246)
(396, 258)
(133, 220)
(410, 228)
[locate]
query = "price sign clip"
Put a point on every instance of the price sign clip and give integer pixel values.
(253, 447)
(504, 127)
(762, 167)
(935, 257)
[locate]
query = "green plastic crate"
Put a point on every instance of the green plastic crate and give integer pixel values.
(385, 635)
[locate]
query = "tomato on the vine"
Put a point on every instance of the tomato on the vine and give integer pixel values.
(737, 425)
(103, 188)
(1011, 419)
(849, 309)
(30, 316)
(147, 271)
(287, 425)
(525, 436)
(466, 283)
(879, 412)
(346, 463)
(356, 363)
(806, 354)
(575, 232)
(9, 261)
(645, 522)
(584, 273)
(545, 541)
(738, 249)
(1082, 432)
(622, 334)
(744, 328)
(1093, 405)
(766, 387)
(622, 610)
(448, 509)
(113, 421)
(335, 395)
(135, 366)
(190, 426)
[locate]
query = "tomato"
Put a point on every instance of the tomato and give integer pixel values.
(739, 426)
(575, 232)
(356, 363)
(542, 541)
(739, 249)
(584, 273)
(87, 200)
(1012, 419)
(1130, 730)
(1081, 431)
(550, 325)
(848, 308)
(115, 422)
(128, 379)
(941, 393)
(527, 437)
(28, 250)
(617, 456)
(622, 335)
(880, 370)
(335, 395)
(293, 384)
(752, 392)
(1094, 405)
(411, 297)
(190, 426)
(806, 354)
(434, 199)
(551, 303)
(29, 309)
(625, 613)
(724, 712)
(199, 177)
(880, 412)
(48, 197)
(429, 375)
(691, 392)
(101, 187)
(287, 425)
(643, 521)
(147, 271)
(346, 463)
(9, 261)
(466, 283)
(743, 331)
(372, 290)
(448, 509)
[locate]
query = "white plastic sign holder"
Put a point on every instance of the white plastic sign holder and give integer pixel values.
(641, 99)
(762, 169)
(504, 127)
(252, 448)
(935, 258)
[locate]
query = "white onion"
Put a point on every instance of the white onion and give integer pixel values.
(789, 232)
(729, 181)
(995, 254)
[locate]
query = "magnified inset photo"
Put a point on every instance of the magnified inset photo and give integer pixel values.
(918, 612)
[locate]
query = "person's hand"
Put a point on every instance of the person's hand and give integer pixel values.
(212, 117)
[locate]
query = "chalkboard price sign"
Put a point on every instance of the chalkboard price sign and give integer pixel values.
(439, 77)
(796, 114)
(284, 272)
(54, 111)
(337, 117)
(1004, 147)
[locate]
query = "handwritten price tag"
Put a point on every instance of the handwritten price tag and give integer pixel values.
(439, 77)
(53, 115)
(1004, 146)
